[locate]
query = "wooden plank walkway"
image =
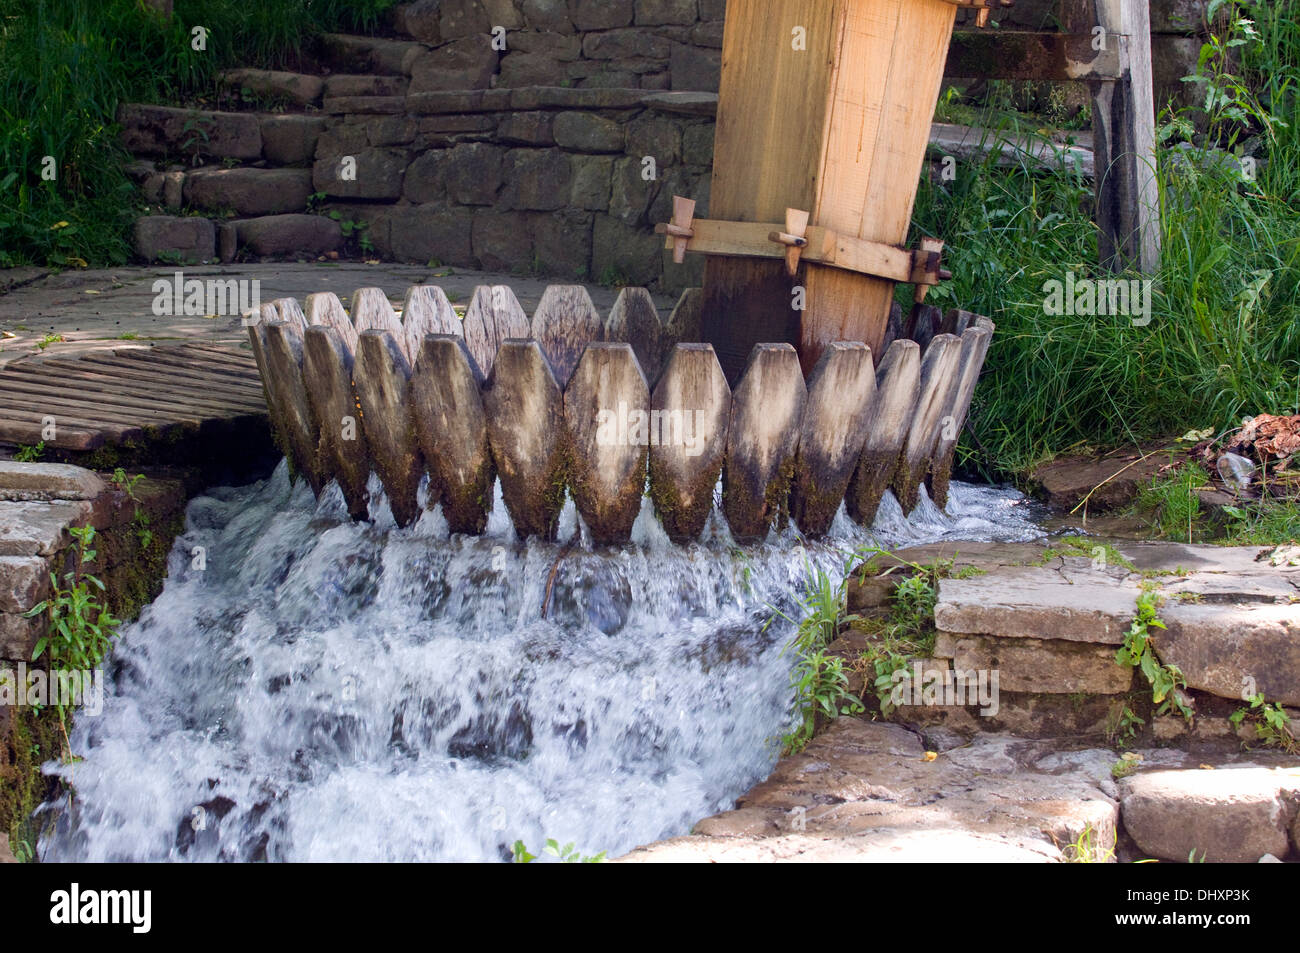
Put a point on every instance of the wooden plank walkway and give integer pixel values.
(126, 395)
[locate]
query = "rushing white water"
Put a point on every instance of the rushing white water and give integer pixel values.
(309, 689)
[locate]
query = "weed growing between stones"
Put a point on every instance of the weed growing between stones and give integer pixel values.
(1168, 687)
(819, 680)
(568, 854)
(1272, 725)
(831, 682)
(1086, 850)
(1123, 725)
(81, 628)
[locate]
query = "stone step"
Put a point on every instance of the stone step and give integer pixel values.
(346, 53)
(1231, 617)
(366, 84)
(166, 130)
(192, 239)
(163, 131)
(871, 791)
(248, 192)
(297, 88)
(290, 236)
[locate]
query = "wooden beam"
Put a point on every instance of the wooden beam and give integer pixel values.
(1015, 54)
(777, 58)
(821, 245)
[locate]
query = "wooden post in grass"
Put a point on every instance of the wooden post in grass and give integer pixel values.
(1106, 44)
(1124, 139)
(824, 108)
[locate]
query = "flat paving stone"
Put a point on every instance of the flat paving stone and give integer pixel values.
(47, 481)
(39, 529)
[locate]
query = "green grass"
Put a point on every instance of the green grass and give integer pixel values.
(66, 65)
(1264, 524)
(1225, 337)
(1172, 502)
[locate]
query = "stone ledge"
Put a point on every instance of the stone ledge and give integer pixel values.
(24, 581)
(1040, 666)
(1228, 650)
(18, 636)
(1231, 615)
(1036, 603)
(39, 529)
(42, 482)
(527, 97)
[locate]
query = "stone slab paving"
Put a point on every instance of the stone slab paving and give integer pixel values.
(107, 309)
(1232, 613)
(869, 792)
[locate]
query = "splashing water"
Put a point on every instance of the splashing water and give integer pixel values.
(310, 689)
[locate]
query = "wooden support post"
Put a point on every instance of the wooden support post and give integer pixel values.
(766, 415)
(841, 392)
(607, 415)
(1128, 194)
(525, 412)
(898, 383)
(690, 416)
(494, 317)
(450, 426)
(826, 107)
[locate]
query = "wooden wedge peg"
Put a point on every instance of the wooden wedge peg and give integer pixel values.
(680, 228)
(927, 267)
(794, 238)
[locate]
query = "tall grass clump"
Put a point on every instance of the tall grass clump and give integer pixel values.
(66, 66)
(1224, 340)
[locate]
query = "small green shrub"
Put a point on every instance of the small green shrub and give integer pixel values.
(568, 854)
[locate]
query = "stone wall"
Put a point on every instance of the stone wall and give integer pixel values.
(533, 136)
(639, 44)
(561, 182)
(39, 503)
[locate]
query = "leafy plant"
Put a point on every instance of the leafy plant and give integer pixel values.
(819, 681)
(568, 854)
(1272, 725)
(1084, 850)
(126, 484)
(822, 688)
(28, 454)
(81, 629)
(1122, 727)
(1123, 767)
(1166, 681)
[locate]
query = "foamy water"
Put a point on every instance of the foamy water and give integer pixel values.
(328, 691)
